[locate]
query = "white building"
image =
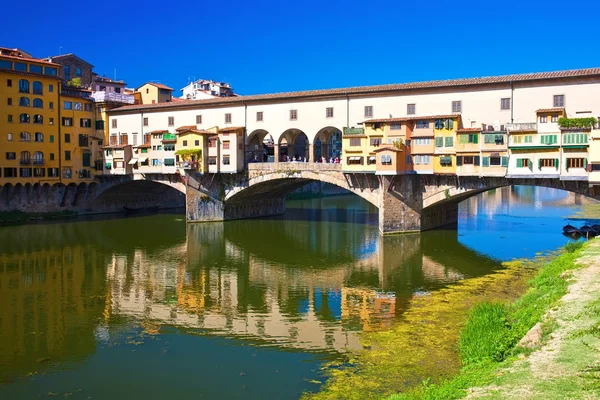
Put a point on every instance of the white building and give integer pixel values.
(206, 89)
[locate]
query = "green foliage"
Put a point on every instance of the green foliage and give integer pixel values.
(577, 122)
(187, 154)
(75, 82)
(484, 334)
(572, 247)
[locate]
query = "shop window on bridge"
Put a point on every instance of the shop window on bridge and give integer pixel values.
(67, 173)
(355, 160)
(212, 160)
(354, 142)
(226, 160)
(371, 160)
(169, 162)
(386, 159)
(548, 163)
(577, 163)
(52, 172)
(10, 172)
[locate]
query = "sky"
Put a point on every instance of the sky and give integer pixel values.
(277, 46)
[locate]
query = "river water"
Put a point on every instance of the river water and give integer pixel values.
(149, 307)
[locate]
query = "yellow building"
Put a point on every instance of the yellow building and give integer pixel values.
(151, 93)
(444, 132)
(29, 125)
(191, 148)
(80, 150)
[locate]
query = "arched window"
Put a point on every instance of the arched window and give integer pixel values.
(25, 158)
(24, 102)
(38, 88)
(24, 86)
(38, 119)
(38, 137)
(38, 158)
(39, 103)
(24, 118)
(25, 137)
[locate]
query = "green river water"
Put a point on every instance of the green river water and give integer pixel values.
(151, 307)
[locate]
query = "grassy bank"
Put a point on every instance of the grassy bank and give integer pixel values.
(20, 217)
(494, 366)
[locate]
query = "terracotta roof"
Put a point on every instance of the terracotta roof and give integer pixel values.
(143, 146)
(186, 128)
(462, 130)
(158, 85)
(551, 110)
(115, 146)
(230, 128)
(490, 80)
(12, 71)
(37, 60)
(391, 148)
(411, 118)
(158, 132)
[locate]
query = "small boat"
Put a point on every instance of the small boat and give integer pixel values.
(570, 230)
(141, 209)
(587, 230)
(596, 227)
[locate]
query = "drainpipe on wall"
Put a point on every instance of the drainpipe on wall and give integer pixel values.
(512, 102)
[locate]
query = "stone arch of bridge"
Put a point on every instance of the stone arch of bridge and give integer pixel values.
(139, 185)
(327, 143)
(278, 184)
(293, 143)
(259, 145)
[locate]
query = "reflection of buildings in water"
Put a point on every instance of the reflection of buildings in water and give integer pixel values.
(374, 310)
(50, 301)
(437, 272)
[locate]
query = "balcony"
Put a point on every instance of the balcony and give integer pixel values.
(25, 162)
(169, 137)
(108, 97)
(522, 126)
(39, 162)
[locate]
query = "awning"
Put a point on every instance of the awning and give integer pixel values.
(142, 159)
(355, 158)
(132, 161)
(372, 158)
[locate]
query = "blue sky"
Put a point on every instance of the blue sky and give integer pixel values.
(271, 46)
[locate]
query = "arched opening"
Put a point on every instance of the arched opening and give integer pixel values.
(140, 194)
(259, 147)
(294, 146)
(328, 145)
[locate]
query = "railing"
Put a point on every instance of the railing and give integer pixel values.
(39, 162)
(295, 166)
(100, 97)
(522, 126)
(25, 162)
(169, 137)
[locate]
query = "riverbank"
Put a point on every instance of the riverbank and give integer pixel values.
(20, 217)
(544, 345)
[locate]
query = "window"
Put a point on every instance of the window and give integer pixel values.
(259, 116)
(51, 156)
(67, 155)
(575, 138)
(496, 139)
(23, 86)
(9, 137)
(51, 105)
(52, 172)
(395, 126)
(169, 162)
(469, 138)
(38, 137)
(421, 141)
(67, 121)
(9, 118)
(559, 100)
(293, 115)
(226, 145)
(25, 172)
(466, 160)
(548, 163)
(225, 160)
(376, 142)
(67, 138)
(355, 142)
(9, 101)
(212, 160)
(51, 138)
(38, 103)
(448, 141)
(411, 109)
(329, 112)
(422, 124)
(576, 163)
(554, 118)
(8, 82)
(169, 147)
(25, 137)
(145, 122)
(39, 172)
(67, 173)
(25, 158)
(85, 122)
(354, 160)
(424, 159)
(371, 160)
(114, 123)
(78, 106)
(227, 118)
(386, 159)
(185, 143)
(37, 87)
(549, 139)
(51, 88)
(543, 119)
(24, 102)
(19, 66)
(495, 161)
(212, 143)
(78, 71)
(198, 119)
(36, 69)
(446, 161)
(505, 103)
(456, 106)
(171, 121)
(83, 140)
(87, 107)
(523, 163)
(67, 105)
(38, 119)
(24, 118)
(11, 155)
(67, 71)
(38, 158)
(196, 143)
(369, 111)
(439, 141)
(123, 139)
(10, 172)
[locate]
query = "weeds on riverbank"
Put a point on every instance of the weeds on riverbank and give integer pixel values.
(493, 330)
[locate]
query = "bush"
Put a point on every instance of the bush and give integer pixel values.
(572, 247)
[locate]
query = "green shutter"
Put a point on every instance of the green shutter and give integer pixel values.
(476, 138)
(86, 159)
(585, 163)
(476, 161)
(519, 163)
(449, 141)
(439, 142)
(459, 160)
(556, 163)
(540, 163)
(505, 161)
(530, 163)
(51, 138)
(486, 161)
(554, 139)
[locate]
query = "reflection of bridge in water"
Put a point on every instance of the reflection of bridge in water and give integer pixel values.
(262, 292)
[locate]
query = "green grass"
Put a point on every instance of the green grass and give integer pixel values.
(488, 340)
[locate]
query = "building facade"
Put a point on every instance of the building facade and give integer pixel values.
(206, 89)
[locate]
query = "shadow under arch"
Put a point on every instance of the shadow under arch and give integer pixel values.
(142, 192)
